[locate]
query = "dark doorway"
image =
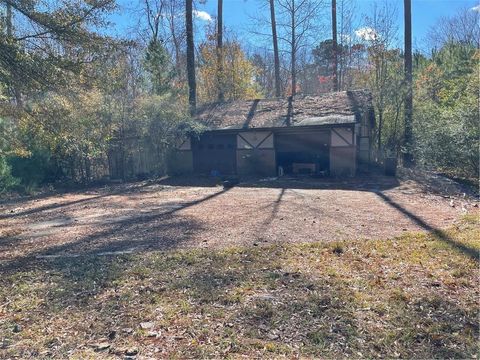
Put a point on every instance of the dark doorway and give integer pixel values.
(215, 152)
(303, 152)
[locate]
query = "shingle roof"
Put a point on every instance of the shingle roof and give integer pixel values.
(343, 107)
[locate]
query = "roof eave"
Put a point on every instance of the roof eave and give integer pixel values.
(281, 128)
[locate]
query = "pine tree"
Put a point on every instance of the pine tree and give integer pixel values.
(157, 64)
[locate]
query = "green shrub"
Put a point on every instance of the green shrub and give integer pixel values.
(7, 181)
(37, 169)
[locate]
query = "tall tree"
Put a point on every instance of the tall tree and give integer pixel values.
(407, 156)
(220, 75)
(154, 17)
(177, 32)
(334, 45)
(299, 22)
(463, 27)
(239, 72)
(165, 23)
(157, 64)
(9, 20)
(15, 85)
(192, 86)
(45, 44)
(347, 50)
(293, 53)
(275, 49)
(446, 115)
(379, 34)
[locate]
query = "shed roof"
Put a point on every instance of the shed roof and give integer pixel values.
(344, 107)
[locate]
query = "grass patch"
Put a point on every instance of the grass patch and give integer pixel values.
(413, 296)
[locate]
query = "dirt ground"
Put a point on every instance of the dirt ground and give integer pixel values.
(194, 213)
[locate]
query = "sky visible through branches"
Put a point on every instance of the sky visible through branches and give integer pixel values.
(238, 17)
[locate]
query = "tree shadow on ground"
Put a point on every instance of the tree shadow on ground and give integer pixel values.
(439, 233)
(138, 232)
(255, 302)
(441, 184)
(155, 230)
(269, 303)
(265, 301)
(273, 214)
(103, 193)
(358, 183)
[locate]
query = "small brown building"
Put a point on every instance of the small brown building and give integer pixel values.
(329, 134)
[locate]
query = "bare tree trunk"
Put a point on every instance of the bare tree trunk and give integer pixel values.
(221, 95)
(176, 44)
(379, 139)
(9, 20)
(395, 128)
(88, 169)
(407, 156)
(294, 50)
(298, 22)
(177, 52)
(275, 49)
(334, 44)
(9, 25)
(192, 86)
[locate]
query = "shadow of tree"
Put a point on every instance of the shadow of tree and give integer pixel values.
(440, 234)
(358, 183)
(161, 229)
(156, 230)
(275, 207)
(266, 301)
(252, 302)
(125, 189)
(271, 300)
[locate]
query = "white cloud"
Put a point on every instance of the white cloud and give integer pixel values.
(367, 33)
(476, 8)
(202, 15)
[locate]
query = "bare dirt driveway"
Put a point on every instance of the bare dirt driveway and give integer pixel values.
(181, 213)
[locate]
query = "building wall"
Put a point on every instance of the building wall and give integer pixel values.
(364, 150)
(364, 131)
(256, 161)
(343, 161)
(343, 152)
(181, 160)
(342, 137)
(255, 140)
(256, 153)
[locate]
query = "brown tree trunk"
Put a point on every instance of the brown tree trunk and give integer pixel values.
(221, 94)
(9, 20)
(408, 137)
(293, 59)
(275, 49)
(334, 45)
(171, 23)
(379, 139)
(192, 85)
(16, 81)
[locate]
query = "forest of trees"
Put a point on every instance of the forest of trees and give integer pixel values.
(72, 93)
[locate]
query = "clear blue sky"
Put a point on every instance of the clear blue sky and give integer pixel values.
(425, 13)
